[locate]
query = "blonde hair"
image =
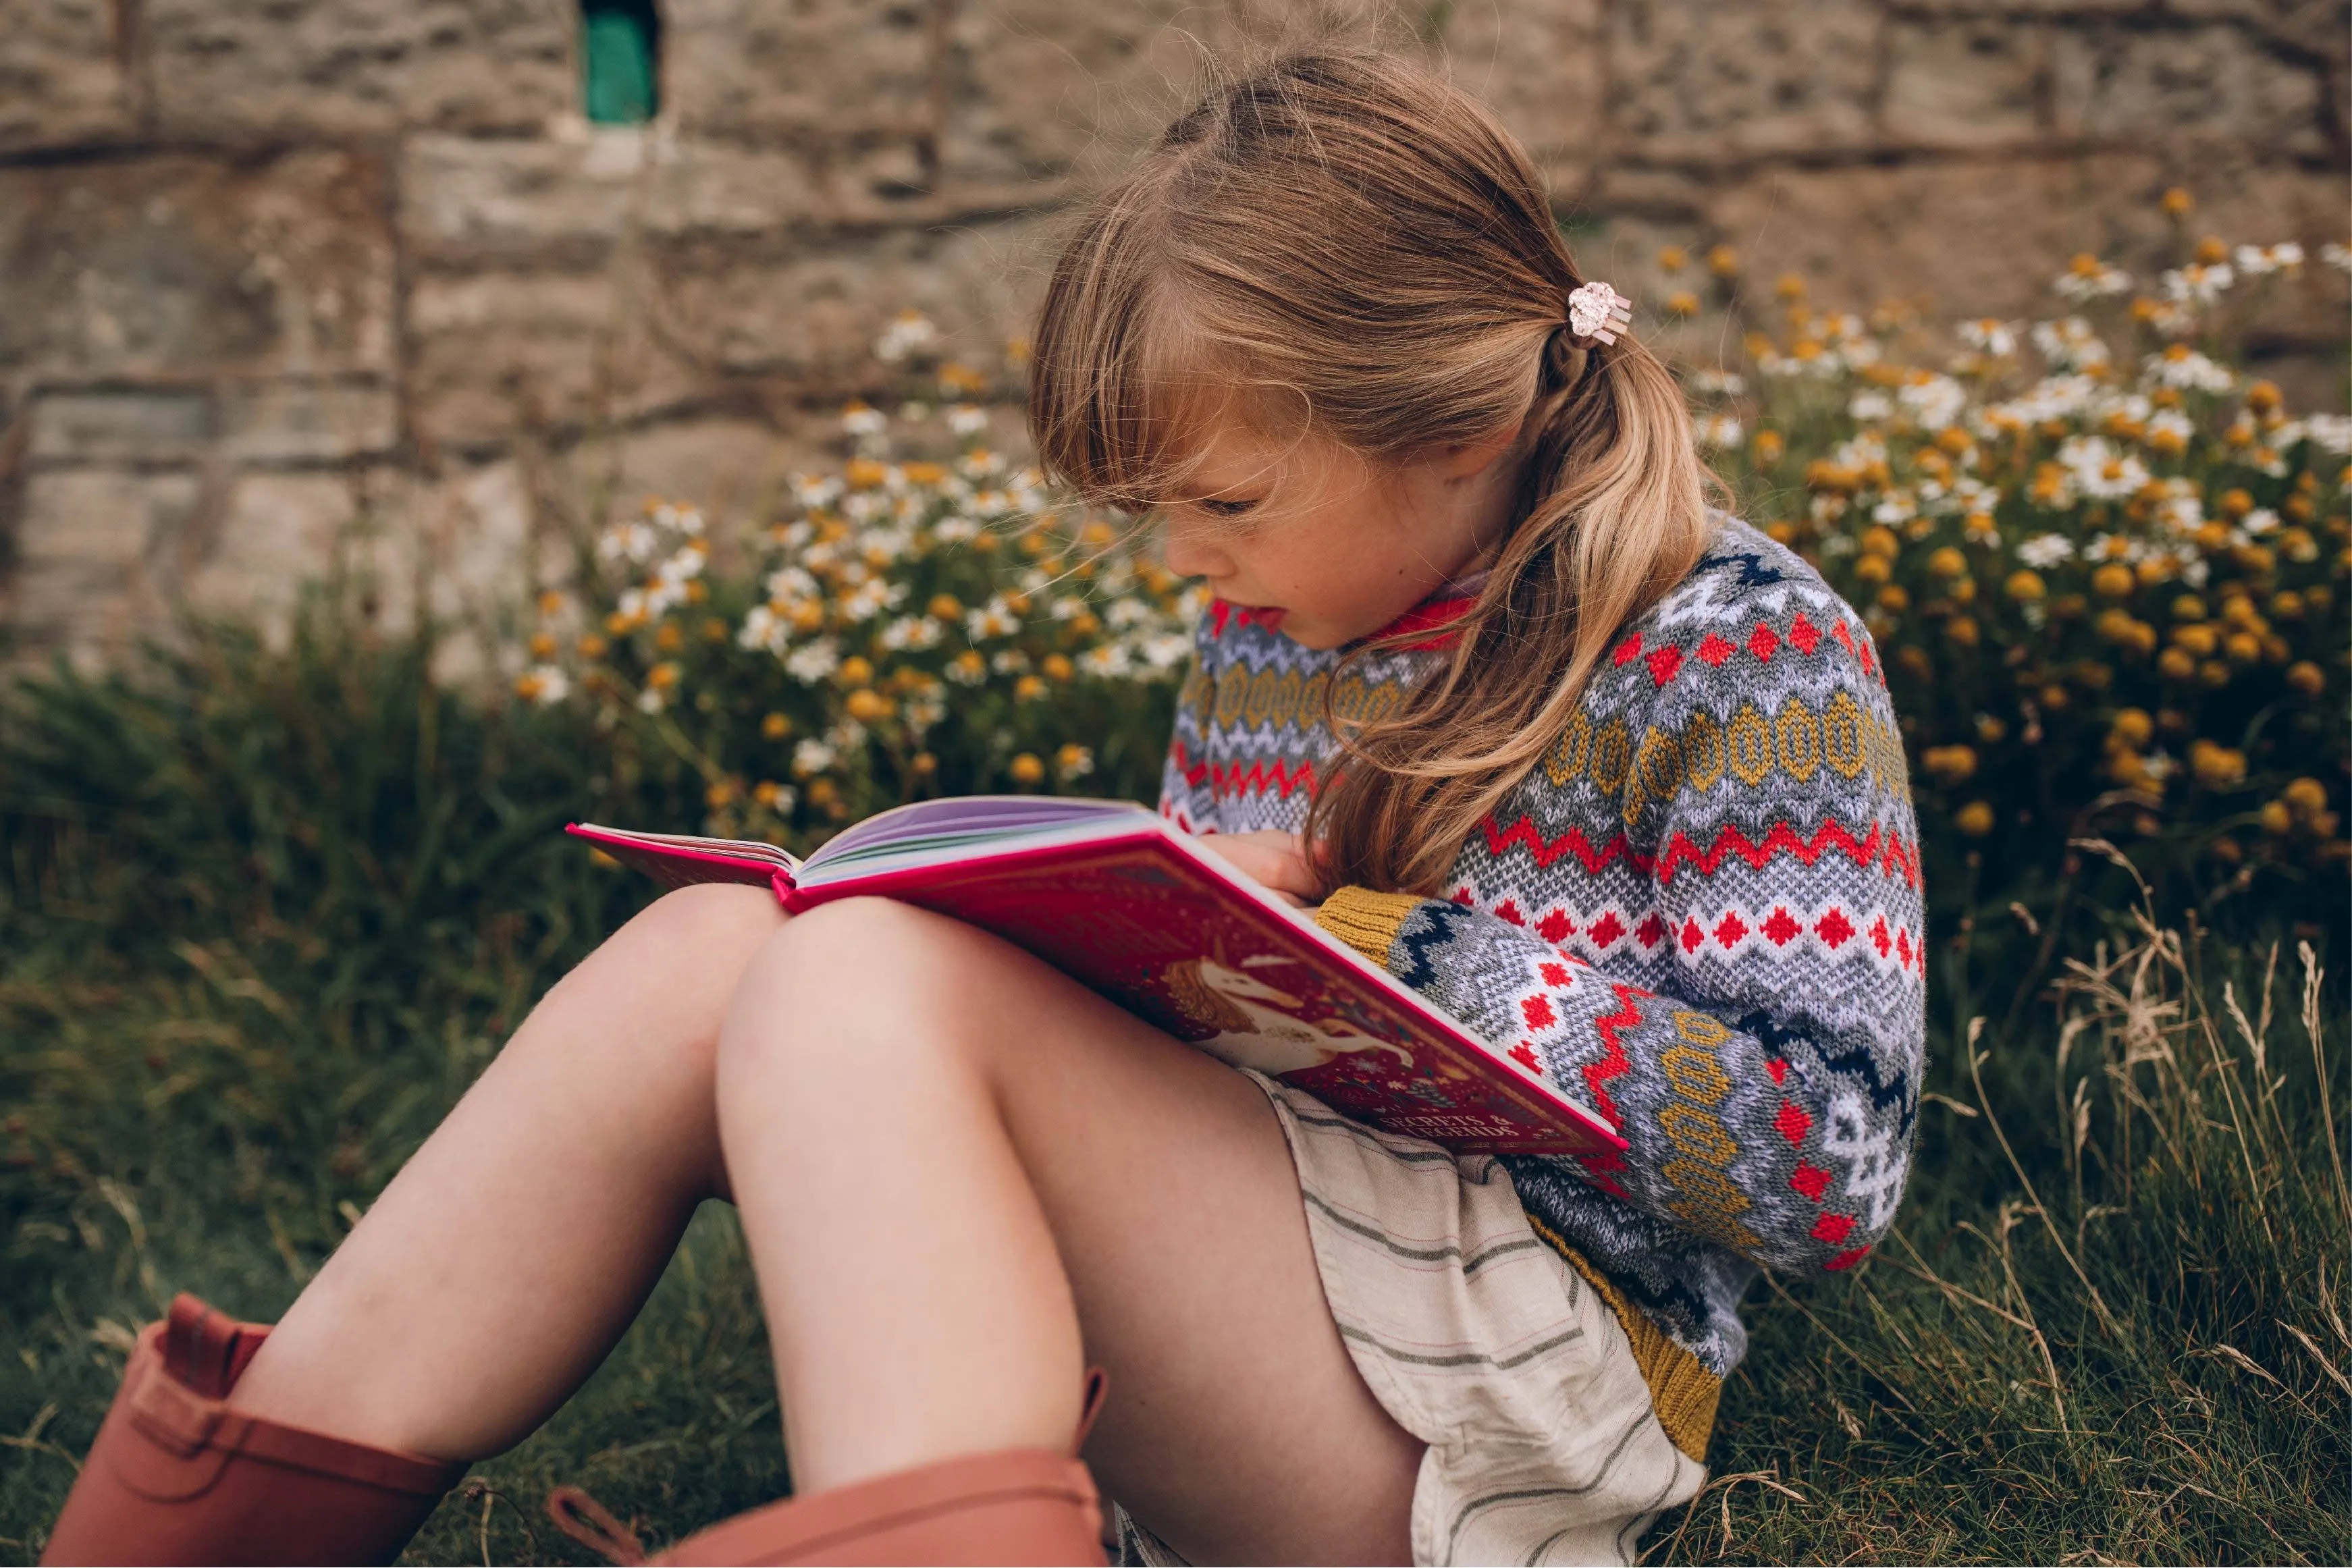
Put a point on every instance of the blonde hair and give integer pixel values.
(1345, 241)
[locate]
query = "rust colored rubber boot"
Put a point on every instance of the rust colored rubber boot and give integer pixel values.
(1016, 1506)
(177, 1477)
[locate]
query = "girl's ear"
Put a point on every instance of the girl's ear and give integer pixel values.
(1473, 457)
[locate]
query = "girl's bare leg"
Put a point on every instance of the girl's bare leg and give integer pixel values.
(505, 1259)
(954, 1164)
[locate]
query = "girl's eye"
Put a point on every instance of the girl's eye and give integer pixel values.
(1219, 506)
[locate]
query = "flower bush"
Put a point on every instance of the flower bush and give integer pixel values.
(901, 628)
(2105, 568)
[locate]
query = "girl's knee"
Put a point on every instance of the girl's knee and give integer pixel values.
(709, 920)
(865, 968)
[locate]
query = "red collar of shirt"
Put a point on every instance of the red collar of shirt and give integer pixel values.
(1442, 609)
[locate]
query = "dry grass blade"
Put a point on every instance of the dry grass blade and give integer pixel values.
(2312, 1030)
(2242, 1361)
(2318, 1356)
(1975, 1075)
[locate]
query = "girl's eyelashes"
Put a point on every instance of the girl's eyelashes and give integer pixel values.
(1225, 506)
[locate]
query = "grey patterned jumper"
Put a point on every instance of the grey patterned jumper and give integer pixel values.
(1700, 915)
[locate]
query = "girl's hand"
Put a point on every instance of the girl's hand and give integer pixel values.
(1274, 860)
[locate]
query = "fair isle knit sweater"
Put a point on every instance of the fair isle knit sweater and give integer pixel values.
(1700, 915)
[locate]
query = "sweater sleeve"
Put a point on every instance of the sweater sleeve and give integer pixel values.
(1765, 1076)
(1187, 796)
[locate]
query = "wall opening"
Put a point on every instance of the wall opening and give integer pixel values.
(620, 60)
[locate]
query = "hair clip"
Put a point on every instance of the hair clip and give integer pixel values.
(1598, 312)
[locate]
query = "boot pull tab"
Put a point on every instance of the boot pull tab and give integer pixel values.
(205, 1351)
(1098, 1383)
(591, 1525)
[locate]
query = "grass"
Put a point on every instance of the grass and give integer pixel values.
(264, 915)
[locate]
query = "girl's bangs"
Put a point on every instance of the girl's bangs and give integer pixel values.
(1126, 426)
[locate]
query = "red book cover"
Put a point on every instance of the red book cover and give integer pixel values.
(1130, 905)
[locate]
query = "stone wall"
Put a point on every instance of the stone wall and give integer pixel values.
(276, 277)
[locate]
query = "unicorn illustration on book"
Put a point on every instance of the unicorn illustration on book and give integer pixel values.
(1256, 1024)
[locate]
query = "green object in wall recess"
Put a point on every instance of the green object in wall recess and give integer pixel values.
(620, 60)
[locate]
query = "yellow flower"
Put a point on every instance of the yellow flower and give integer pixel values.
(2235, 503)
(2026, 586)
(2130, 728)
(1961, 631)
(662, 677)
(549, 602)
(2085, 265)
(2189, 607)
(864, 474)
(2216, 767)
(967, 665)
(720, 794)
(2177, 202)
(1975, 820)
(1947, 562)
(1027, 768)
(2211, 251)
(592, 646)
(1723, 261)
(2197, 639)
(2214, 674)
(2242, 647)
(528, 687)
(2306, 677)
(2113, 582)
(923, 764)
(2262, 396)
(1681, 302)
(1769, 447)
(856, 670)
(1893, 599)
(1949, 764)
(1056, 667)
(2306, 798)
(867, 706)
(924, 473)
(1789, 286)
(2127, 769)
(1028, 688)
(542, 645)
(1672, 258)
(775, 726)
(666, 637)
(767, 792)
(714, 630)
(2277, 820)
(1879, 540)
(1872, 569)
(2176, 663)
(2054, 698)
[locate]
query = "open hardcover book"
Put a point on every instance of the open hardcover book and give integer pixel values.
(1125, 903)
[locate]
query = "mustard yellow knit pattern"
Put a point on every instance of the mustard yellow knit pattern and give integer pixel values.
(1365, 920)
(1682, 1392)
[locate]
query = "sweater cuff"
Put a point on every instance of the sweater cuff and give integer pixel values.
(1365, 920)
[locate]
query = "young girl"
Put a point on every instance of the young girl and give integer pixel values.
(1610, 777)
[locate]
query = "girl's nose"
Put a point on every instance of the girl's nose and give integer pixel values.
(1190, 551)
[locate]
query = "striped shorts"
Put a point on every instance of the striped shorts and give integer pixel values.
(1476, 1338)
